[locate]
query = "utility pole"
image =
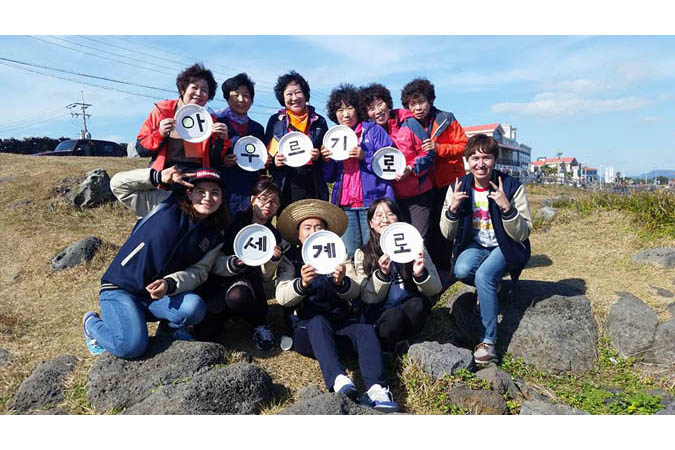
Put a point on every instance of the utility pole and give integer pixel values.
(84, 133)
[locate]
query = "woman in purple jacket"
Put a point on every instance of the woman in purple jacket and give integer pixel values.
(356, 186)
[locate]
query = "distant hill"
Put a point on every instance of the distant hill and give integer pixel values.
(656, 173)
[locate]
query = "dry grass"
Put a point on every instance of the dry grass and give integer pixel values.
(40, 310)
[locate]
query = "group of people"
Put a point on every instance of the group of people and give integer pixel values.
(178, 265)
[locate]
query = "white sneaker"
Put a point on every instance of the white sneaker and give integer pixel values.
(345, 386)
(379, 398)
(484, 353)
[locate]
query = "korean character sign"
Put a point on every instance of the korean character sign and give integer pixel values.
(254, 245)
(251, 153)
(297, 148)
(324, 250)
(388, 162)
(193, 123)
(401, 241)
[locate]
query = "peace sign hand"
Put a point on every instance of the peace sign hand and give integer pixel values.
(499, 197)
(458, 197)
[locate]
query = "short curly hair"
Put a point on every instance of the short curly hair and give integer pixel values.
(345, 93)
(232, 84)
(194, 73)
(286, 79)
(418, 86)
(368, 94)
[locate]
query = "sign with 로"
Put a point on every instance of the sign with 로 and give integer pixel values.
(254, 244)
(388, 162)
(324, 250)
(251, 153)
(193, 123)
(340, 140)
(297, 148)
(401, 241)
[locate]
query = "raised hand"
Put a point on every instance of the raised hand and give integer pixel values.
(418, 264)
(220, 129)
(339, 273)
(357, 152)
(499, 196)
(385, 264)
(166, 126)
(279, 159)
(307, 274)
(458, 196)
(173, 175)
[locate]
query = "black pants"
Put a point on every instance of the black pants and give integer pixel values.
(402, 322)
(441, 248)
(417, 212)
(229, 298)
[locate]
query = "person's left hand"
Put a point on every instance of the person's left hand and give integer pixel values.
(220, 129)
(157, 289)
(418, 264)
(499, 196)
(428, 145)
(315, 154)
(357, 152)
(339, 273)
(277, 252)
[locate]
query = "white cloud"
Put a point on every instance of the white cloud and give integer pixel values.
(568, 104)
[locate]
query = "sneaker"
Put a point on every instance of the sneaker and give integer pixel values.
(379, 398)
(177, 334)
(345, 386)
(484, 353)
(263, 338)
(93, 346)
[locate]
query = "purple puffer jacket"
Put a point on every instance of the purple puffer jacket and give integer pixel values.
(374, 137)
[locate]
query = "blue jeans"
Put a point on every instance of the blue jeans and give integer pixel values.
(357, 232)
(483, 268)
(122, 331)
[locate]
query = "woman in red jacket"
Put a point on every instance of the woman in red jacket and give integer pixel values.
(158, 137)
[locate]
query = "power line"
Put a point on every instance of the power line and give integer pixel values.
(37, 122)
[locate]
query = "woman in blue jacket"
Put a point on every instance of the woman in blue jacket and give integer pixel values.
(145, 281)
(356, 186)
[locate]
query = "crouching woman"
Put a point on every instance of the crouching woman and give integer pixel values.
(146, 281)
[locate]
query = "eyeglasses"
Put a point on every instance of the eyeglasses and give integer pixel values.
(267, 201)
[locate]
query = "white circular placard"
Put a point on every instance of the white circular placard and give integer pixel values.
(324, 250)
(388, 162)
(254, 244)
(401, 241)
(297, 148)
(251, 153)
(339, 140)
(193, 123)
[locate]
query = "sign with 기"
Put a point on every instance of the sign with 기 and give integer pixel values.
(401, 241)
(340, 139)
(324, 250)
(388, 162)
(193, 123)
(251, 153)
(297, 148)
(254, 244)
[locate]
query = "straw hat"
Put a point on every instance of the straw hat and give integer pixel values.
(296, 212)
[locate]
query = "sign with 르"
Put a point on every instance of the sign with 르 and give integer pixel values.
(339, 140)
(297, 148)
(324, 250)
(401, 241)
(251, 153)
(254, 244)
(388, 162)
(193, 123)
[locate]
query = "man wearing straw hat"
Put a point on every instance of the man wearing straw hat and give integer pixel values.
(320, 305)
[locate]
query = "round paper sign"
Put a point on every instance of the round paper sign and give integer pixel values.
(251, 153)
(401, 241)
(297, 148)
(254, 244)
(324, 250)
(193, 123)
(339, 140)
(388, 162)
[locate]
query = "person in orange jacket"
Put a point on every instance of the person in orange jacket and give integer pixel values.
(158, 138)
(445, 137)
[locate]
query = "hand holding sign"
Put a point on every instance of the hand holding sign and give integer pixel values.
(418, 264)
(339, 273)
(385, 264)
(307, 274)
(166, 126)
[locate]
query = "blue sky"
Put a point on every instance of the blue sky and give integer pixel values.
(607, 100)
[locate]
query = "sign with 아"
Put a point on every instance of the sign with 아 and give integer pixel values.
(339, 140)
(401, 241)
(193, 123)
(251, 153)
(324, 250)
(388, 162)
(254, 244)
(297, 148)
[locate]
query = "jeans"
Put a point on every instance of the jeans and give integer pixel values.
(122, 331)
(357, 232)
(483, 268)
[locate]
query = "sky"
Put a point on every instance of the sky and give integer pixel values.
(605, 99)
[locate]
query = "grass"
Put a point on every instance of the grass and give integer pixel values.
(40, 310)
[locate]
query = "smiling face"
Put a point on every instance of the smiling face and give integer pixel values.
(265, 206)
(294, 98)
(240, 100)
(346, 115)
(205, 197)
(419, 106)
(196, 93)
(378, 112)
(382, 218)
(481, 165)
(308, 227)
